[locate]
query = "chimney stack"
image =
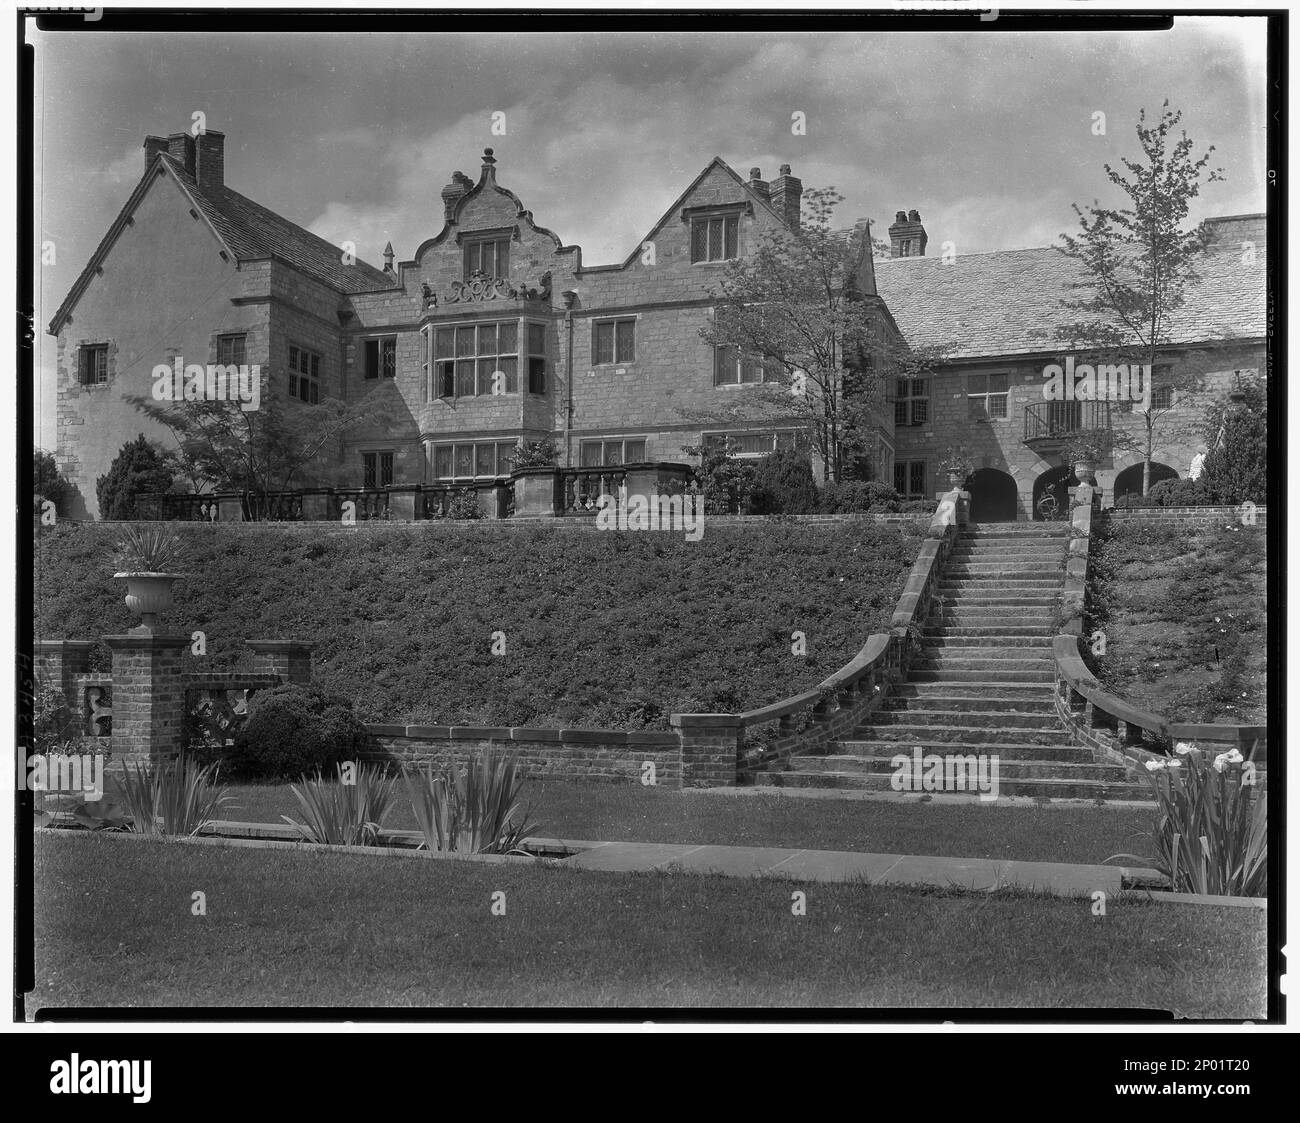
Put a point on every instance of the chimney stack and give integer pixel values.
(210, 159)
(785, 193)
(152, 146)
(907, 237)
(757, 183)
(451, 194)
(180, 147)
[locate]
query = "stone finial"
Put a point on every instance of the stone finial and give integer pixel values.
(388, 258)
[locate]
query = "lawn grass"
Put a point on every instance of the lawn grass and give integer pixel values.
(632, 813)
(114, 927)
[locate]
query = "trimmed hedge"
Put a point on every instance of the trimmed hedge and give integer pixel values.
(616, 630)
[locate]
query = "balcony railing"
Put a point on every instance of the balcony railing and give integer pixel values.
(1056, 421)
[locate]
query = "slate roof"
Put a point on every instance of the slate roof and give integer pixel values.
(249, 231)
(1009, 302)
(252, 232)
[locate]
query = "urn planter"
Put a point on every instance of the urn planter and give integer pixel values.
(147, 595)
(1085, 471)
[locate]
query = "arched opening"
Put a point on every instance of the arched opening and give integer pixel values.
(1129, 481)
(1055, 484)
(994, 497)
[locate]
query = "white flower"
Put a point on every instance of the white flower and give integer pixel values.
(1224, 759)
(1184, 747)
(1159, 765)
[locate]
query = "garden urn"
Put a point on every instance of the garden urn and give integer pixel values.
(148, 594)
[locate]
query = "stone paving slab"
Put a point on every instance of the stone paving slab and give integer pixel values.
(1061, 878)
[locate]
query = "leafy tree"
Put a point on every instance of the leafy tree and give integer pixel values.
(221, 447)
(141, 468)
(817, 342)
(535, 454)
(1139, 260)
(48, 483)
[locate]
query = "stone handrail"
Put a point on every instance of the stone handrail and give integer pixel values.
(713, 750)
(1087, 708)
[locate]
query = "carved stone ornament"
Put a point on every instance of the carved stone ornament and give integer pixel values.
(481, 288)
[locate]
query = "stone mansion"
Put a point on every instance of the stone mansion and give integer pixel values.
(496, 332)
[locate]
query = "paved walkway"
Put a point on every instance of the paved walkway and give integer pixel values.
(1060, 878)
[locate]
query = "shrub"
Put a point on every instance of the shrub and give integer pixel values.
(854, 496)
(1210, 834)
(464, 505)
(1178, 493)
(340, 814)
(918, 506)
(725, 481)
(54, 725)
(535, 454)
(47, 483)
(784, 485)
(138, 470)
(294, 731)
(1236, 469)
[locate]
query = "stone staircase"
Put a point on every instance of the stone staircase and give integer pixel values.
(983, 681)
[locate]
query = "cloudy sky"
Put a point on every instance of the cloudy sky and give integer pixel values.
(989, 136)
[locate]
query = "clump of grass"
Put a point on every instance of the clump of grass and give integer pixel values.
(178, 798)
(471, 810)
(344, 813)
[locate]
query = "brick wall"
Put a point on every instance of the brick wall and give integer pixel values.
(1188, 516)
(552, 754)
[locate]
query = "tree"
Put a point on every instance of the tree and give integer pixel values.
(221, 447)
(816, 346)
(1139, 260)
(48, 483)
(139, 469)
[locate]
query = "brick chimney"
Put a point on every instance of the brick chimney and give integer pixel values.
(152, 146)
(180, 147)
(785, 193)
(757, 183)
(907, 237)
(451, 194)
(210, 159)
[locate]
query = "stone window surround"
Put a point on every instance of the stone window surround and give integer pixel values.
(377, 337)
(907, 465)
(775, 433)
(110, 364)
(431, 448)
(523, 354)
(601, 441)
(296, 374)
(987, 395)
(691, 215)
(596, 322)
(377, 452)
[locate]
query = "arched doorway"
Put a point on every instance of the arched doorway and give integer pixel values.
(1129, 481)
(1056, 482)
(994, 497)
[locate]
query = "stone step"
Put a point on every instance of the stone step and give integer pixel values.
(1034, 691)
(978, 641)
(970, 721)
(957, 733)
(990, 704)
(989, 616)
(984, 567)
(965, 583)
(1041, 789)
(1007, 769)
(954, 660)
(983, 675)
(1068, 753)
(1012, 632)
